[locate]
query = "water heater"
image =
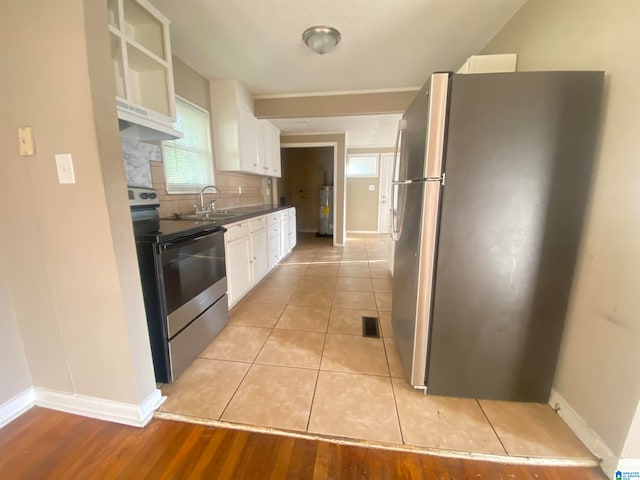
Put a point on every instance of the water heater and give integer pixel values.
(325, 212)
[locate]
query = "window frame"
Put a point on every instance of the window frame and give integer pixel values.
(376, 163)
(175, 188)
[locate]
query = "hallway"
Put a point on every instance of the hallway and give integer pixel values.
(293, 358)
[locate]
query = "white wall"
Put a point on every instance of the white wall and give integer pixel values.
(14, 373)
(600, 355)
(67, 251)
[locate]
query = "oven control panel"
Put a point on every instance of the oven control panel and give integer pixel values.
(143, 197)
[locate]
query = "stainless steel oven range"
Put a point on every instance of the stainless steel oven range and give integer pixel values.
(182, 269)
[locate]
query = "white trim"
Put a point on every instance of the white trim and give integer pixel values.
(93, 407)
(118, 412)
(335, 172)
(16, 406)
(335, 93)
(589, 437)
(193, 105)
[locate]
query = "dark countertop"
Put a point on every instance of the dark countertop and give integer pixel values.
(168, 229)
(244, 213)
(241, 213)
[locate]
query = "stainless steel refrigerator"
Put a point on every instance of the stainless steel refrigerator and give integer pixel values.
(490, 187)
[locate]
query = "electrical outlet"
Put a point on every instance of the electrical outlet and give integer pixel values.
(64, 165)
(239, 189)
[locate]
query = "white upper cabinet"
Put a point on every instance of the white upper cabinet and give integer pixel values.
(142, 69)
(269, 149)
(235, 128)
(242, 143)
(248, 141)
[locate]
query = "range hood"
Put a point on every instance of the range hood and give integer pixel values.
(135, 131)
(137, 123)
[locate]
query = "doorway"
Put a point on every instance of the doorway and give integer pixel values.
(386, 177)
(305, 169)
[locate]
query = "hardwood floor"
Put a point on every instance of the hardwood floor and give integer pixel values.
(48, 444)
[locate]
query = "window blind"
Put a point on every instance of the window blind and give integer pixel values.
(188, 162)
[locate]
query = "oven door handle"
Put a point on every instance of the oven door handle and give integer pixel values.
(193, 238)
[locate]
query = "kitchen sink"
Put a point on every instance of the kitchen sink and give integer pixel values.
(219, 215)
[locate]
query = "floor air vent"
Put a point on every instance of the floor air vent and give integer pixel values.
(370, 327)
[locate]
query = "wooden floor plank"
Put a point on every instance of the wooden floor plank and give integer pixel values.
(302, 460)
(52, 445)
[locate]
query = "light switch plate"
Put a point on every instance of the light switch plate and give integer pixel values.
(25, 140)
(64, 164)
(372, 188)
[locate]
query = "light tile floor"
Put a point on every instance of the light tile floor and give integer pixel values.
(293, 358)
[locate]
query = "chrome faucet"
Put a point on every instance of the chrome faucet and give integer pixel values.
(212, 204)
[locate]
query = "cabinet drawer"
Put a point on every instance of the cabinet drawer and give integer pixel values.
(274, 244)
(273, 218)
(274, 257)
(236, 230)
(274, 231)
(284, 214)
(257, 223)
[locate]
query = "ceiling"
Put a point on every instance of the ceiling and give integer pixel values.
(386, 44)
(362, 130)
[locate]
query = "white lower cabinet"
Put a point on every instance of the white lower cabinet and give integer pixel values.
(288, 235)
(254, 246)
(259, 249)
(292, 229)
(284, 233)
(273, 238)
(238, 261)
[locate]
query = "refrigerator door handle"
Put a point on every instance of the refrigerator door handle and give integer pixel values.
(402, 126)
(428, 179)
(395, 232)
(395, 228)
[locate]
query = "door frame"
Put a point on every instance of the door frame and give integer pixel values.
(334, 146)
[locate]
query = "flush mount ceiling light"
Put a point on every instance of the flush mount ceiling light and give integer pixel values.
(321, 39)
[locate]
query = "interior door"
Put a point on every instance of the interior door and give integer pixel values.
(386, 177)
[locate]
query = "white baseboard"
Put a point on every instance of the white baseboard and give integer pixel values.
(118, 412)
(16, 406)
(590, 438)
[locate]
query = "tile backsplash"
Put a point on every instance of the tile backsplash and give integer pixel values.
(137, 156)
(143, 167)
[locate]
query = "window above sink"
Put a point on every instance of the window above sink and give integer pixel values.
(188, 161)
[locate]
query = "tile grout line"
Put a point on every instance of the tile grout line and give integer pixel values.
(386, 354)
(395, 403)
(492, 427)
(235, 390)
(315, 385)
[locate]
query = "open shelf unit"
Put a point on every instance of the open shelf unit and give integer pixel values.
(141, 58)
